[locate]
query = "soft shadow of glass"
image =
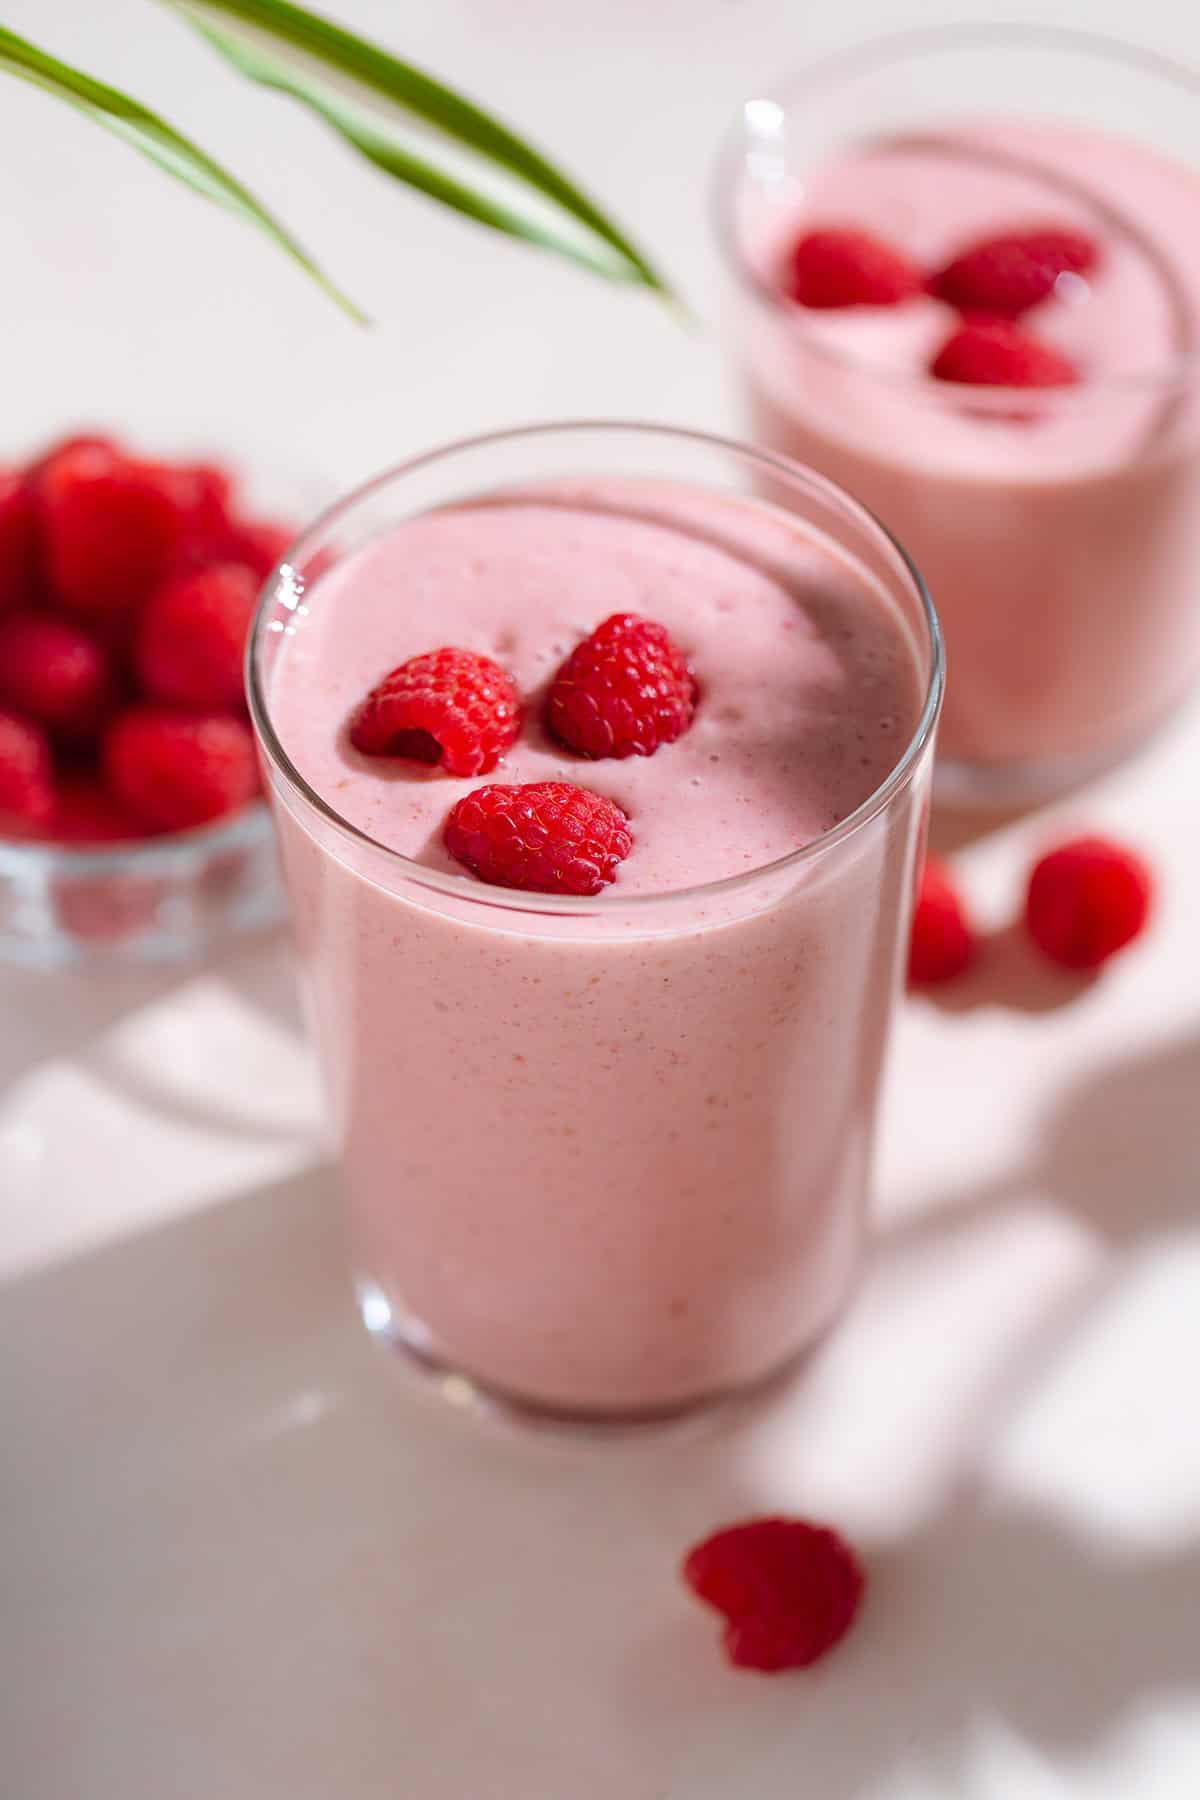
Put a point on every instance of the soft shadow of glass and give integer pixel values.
(1120, 1149)
(1009, 973)
(238, 1536)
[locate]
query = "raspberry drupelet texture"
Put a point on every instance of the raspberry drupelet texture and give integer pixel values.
(547, 837)
(623, 691)
(450, 707)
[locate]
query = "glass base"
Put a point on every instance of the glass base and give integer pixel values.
(466, 1393)
(962, 786)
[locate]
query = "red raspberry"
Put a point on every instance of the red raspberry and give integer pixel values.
(1004, 276)
(451, 707)
(943, 943)
(54, 673)
(113, 527)
(201, 494)
(259, 544)
(843, 267)
(622, 692)
(18, 542)
(191, 638)
(546, 836)
(26, 777)
(789, 1590)
(86, 813)
(174, 770)
(61, 447)
(996, 353)
(1087, 900)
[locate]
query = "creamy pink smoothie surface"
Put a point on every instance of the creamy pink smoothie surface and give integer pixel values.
(615, 1159)
(1060, 540)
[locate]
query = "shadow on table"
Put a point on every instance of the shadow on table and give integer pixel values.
(61, 1012)
(76, 1014)
(245, 1555)
(1120, 1150)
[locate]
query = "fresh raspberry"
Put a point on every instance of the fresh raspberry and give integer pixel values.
(86, 813)
(201, 494)
(259, 544)
(996, 353)
(26, 777)
(53, 672)
(943, 943)
(451, 707)
(18, 542)
(1004, 276)
(843, 267)
(113, 526)
(789, 1590)
(191, 638)
(1087, 900)
(78, 440)
(174, 770)
(546, 836)
(622, 692)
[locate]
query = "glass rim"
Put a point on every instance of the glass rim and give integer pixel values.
(891, 47)
(520, 900)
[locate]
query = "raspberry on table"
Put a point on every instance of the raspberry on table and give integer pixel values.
(789, 1590)
(52, 672)
(112, 528)
(840, 266)
(1087, 900)
(1003, 276)
(943, 943)
(548, 837)
(623, 691)
(18, 542)
(174, 770)
(191, 638)
(26, 777)
(449, 707)
(997, 353)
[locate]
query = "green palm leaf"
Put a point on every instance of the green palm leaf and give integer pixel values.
(158, 141)
(299, 53)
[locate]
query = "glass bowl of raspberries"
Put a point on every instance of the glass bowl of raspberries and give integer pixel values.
(131, 823)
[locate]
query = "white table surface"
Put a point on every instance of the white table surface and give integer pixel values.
(239, 1556)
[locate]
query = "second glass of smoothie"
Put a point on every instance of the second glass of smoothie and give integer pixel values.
(1058, 525)
(607, 1157)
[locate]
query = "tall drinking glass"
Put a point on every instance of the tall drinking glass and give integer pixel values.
(602, 1157)
(1059, 532)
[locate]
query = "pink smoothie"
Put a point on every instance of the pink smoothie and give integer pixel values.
(1061, 539)
(613, 1159)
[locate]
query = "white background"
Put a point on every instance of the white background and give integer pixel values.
(238, 1556)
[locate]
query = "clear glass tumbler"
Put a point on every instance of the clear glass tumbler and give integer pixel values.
(1059, 537)
(603, 1158)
